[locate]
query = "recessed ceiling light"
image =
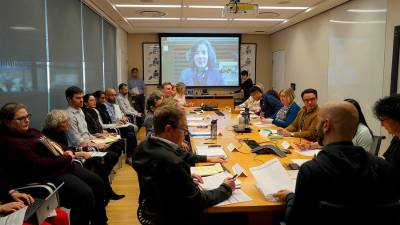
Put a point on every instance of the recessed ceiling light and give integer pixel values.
(308, 10)
(283, 7)
(146, 6)
(257, 19)
(211, 19)
(206, 6)
(358, 22)
(366, 10)
(285, 21)
(21, 28)
(153, 18)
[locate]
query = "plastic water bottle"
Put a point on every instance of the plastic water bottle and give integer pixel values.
(214, 129)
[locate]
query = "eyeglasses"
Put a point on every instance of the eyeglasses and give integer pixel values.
(23, 118)
(185, 129)
(309, 100)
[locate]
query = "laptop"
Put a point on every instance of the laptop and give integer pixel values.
(42, 208)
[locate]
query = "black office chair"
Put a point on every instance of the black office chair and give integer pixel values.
(376, 145)
(365, 214)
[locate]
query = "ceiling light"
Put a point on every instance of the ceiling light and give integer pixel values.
(211, 19)
(20, 28)
(366, 10)
(152, 18)
(206, 6)
(357, 22)
(257, 19)
(283, 7)
(285, 21)
(308, 10)
(146, 6)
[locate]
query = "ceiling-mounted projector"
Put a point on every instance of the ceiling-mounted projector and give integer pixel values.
(235, 7)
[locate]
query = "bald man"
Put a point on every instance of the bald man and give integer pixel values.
(342, 174)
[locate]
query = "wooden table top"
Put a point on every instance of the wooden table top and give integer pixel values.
(246, 159)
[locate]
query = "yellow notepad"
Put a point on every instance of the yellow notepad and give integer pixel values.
(207, 170)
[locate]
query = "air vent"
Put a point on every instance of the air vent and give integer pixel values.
(151, 13)
(259, 31)
(264, 14)
(283, 2)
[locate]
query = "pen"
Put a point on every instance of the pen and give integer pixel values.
(234, 177)
(208, 143)
(210, 146)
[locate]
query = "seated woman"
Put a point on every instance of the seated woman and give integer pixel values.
(27, 158)
(285, 116)
(56, 125)
(14, 201)
(153, 102)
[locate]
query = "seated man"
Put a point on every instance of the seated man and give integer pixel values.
(125, 105)
(341, 174)
(171, 195)
(128, 130)
(305, 124)
(168, 95)
(268, 103)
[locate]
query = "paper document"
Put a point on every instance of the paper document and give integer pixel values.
(262, 124)
(300, 161)
(195, 118)
(207, 170)
(271, 177)
(309, 152)
(106, 140)
(197, 124)
(97, 154)
(14, 218)
(214, 181)
(237, 196)
(210, 151)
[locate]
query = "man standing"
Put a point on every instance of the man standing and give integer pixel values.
(166, 185)
(246, 84)
(341, 174)
(305, 124)
(136, 89)
(127, 109)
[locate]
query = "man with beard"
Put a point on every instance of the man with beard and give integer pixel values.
(342, 174)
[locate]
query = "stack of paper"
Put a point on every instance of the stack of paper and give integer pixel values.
(300, 161)
(214, 181)
(313, 152)
(211, 151)
(200, 134)
(197, 124)
(207, 170)
(97, 154)
(271, 177)
(262, 124)
(106, 140)
(195, 118)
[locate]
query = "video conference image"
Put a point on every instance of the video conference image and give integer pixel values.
(200, 61)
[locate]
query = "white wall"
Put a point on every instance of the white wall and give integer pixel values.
(342, 60)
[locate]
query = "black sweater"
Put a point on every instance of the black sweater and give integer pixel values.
(245, 86)
(342, 174)
(167, 186)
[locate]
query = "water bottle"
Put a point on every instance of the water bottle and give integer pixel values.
(241, 125)
(246, 116)
(214, 129)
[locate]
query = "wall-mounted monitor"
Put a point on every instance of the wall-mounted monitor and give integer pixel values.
(200, 60)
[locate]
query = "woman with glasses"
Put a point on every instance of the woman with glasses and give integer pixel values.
(27, 156)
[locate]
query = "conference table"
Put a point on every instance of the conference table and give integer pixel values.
(259, 206)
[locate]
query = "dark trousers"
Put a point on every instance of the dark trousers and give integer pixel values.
(129, 134)
(103, 167)
(138, 103)
(83, 193)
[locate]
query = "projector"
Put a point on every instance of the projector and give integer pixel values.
(242, 8)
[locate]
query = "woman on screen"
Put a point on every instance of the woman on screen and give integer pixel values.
(203, 69)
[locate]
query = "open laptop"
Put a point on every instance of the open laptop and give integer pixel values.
(42, 208)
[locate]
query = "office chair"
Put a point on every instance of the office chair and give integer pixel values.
(332, 213)
(376, 144)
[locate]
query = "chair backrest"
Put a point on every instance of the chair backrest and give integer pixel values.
(376, 144)
(332, 213)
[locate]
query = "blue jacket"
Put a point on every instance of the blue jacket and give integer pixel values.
(213, 78)
(290, 116)
(270, 105)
